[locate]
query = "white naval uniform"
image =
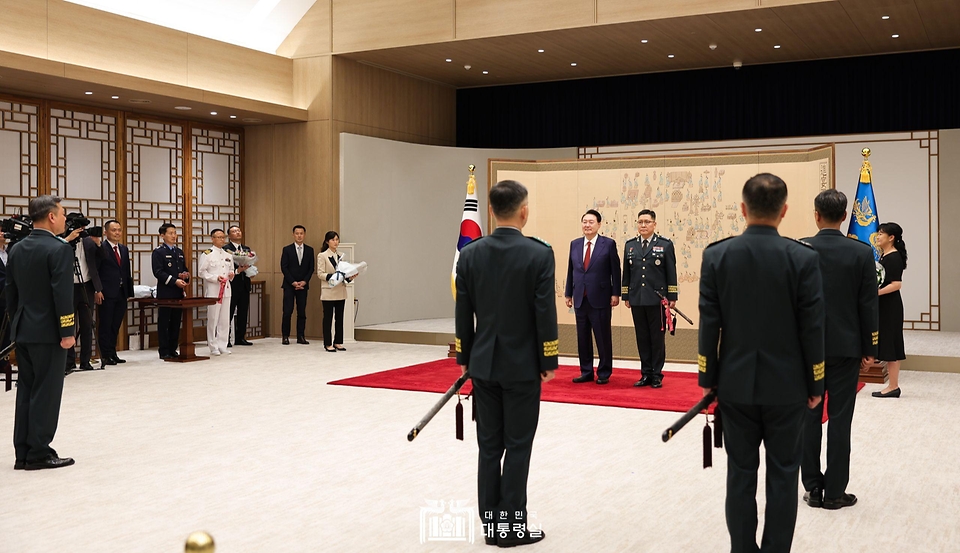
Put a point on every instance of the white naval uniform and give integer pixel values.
(215, 263)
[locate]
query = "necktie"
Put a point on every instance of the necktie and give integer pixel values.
(645, 244)
(116, 252)
(300, 254)
(586, 258)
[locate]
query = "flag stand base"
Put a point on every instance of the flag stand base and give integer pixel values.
(453, 350)
(875, 373)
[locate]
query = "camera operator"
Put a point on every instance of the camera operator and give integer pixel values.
(40, 302)
(86, 290)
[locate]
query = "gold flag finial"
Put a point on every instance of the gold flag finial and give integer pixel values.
(472, 181)
(199, 542)
(866, 170)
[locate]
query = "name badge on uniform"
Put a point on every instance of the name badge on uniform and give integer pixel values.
(658, 249)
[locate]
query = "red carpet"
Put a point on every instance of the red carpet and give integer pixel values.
(679, 393)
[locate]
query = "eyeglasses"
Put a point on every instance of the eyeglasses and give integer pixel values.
(645, 222)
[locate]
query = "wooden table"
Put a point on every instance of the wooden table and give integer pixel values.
(186, 305)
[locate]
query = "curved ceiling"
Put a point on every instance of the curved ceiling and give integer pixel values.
(256, 24)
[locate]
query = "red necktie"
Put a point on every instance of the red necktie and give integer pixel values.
(116, 252)
(586, 258)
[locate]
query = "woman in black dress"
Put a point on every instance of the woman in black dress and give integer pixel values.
(894, 261)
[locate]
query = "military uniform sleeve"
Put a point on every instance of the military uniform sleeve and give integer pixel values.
(670, 271)
(206, 272)
(709, 337)
(869, 306)
(625, 281)
(61, 281)
(810, 317)
(545, 313)
(615, 266)
(165, 275)
(464, 313)
(568, 287)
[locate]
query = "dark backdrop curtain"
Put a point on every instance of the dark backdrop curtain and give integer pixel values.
(898, 92)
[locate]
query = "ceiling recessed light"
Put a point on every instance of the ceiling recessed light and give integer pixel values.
(757, 30)
(884, 17)
(115, 97)
(183, 108)
(88, 93)
(233, 117)
(776, 46)
(573, 64)
(486, 72)
(644, 41)
(670, 56)
(894, 36)
(213, 113)
(448, 60)
(540, 50)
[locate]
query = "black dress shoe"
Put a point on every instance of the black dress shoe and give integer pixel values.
(656, 382)
(339, 348)
(285, 341)
(107, 361)
(583, 378)
(490, 541)
(845, 500)
(244, 343)
(117, 360)
(513, 541)
(892, 393)
(69, 370)
(602, 380)
(328, 350)
(49, 462)
(302, 340)
(814, 498)
(85, 367)
(644, 381)
(19, 464)
(229, 344)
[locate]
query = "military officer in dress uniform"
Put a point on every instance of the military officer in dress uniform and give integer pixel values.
(506, 281)
(851, 334)
(649, 272)
(216, 270)
(170, 268)
(762, 292)
(39, 294)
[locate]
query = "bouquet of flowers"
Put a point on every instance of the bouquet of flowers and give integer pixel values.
(346, 270)
(881, 274)
(246, 259)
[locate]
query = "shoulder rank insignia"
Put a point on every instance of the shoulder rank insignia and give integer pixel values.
(541, 240)
(207, 252)
(798, 241)
(661, 237)
(712, 244)
(65, 242)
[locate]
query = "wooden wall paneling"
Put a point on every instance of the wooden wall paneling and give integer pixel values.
(905, 20)
(23, 27)
(738, 37)
(312, 86)
(313, 35)
(486, 18)
(259, 213)
(940, 19)
(220, 67)
(44, 148)
(102, 40)
(372, 24)
(619, 11)
(825, 28)
(24, 120)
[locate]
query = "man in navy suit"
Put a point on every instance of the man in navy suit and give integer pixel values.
(593, 285)
(296, 264)
(116, 280)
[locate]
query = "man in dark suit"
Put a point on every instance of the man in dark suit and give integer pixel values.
(762, 292)
(851, 331)
(86, 293)
(649, 273)
(296, 264)
(170, 268)
(116, 277)
(506, 281)
(240, 300)
(40, 304)
(593, 280)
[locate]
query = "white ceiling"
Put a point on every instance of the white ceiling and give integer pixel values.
(257, 24)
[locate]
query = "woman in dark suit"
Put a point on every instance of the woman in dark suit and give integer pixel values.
(333, 299)
(893, 261)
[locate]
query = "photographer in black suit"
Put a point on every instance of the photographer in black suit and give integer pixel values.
(851, 332)
(116, 277)
(87, 292)
(296, 264)
(40, 303)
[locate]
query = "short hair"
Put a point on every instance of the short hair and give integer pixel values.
(650, 212)
(165, 227)
(765, 195)
(231, 227)
(295, 227)
(216, 230)
(593, 212)
(831, 205)
(506, 197)
(41, 206)
(106, 225)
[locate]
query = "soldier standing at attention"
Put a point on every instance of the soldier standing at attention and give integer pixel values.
(506, 281)
(649, 272)
(762, 292)
(216, 270)
(40, 302)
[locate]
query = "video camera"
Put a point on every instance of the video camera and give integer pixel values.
(16, 228)
(76, 221)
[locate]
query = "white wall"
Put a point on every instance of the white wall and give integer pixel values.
(401, 204)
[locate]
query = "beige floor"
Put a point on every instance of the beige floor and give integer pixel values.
(256, 449)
